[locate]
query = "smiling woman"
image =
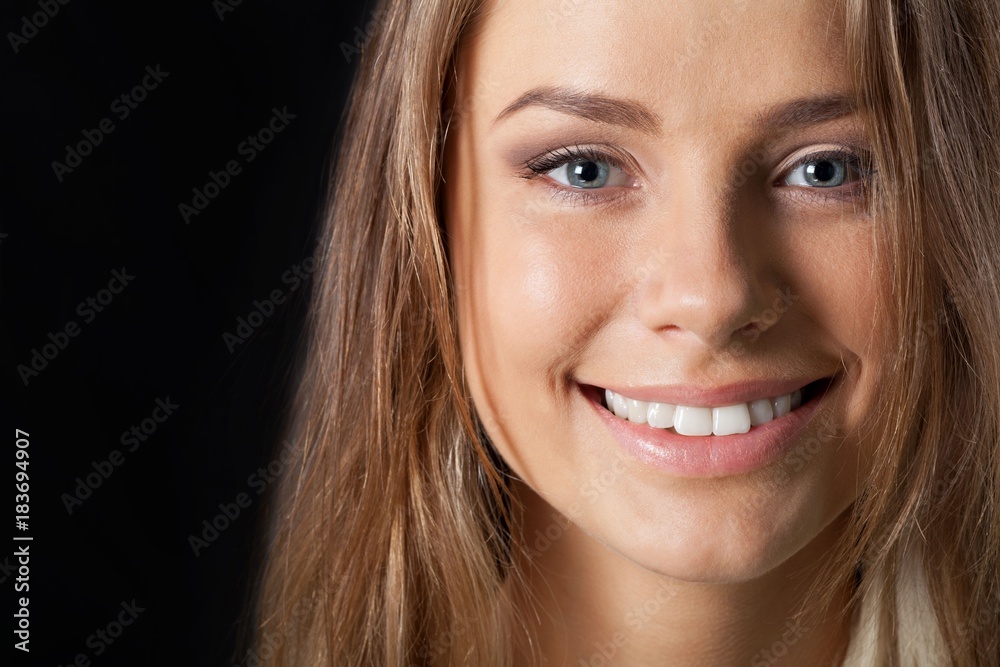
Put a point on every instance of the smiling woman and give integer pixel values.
(653, 334)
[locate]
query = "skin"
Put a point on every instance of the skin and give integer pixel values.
(671, 274)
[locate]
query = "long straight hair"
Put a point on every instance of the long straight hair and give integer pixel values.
(927, 526)
(388, 540)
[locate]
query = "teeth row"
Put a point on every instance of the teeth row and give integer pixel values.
(687, 420)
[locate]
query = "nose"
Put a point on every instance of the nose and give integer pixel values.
(711, 280)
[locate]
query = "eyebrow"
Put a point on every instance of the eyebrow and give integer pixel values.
(805, 111)
(599, 108)
(635, 116)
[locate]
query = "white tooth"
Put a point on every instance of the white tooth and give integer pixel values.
(796, 399)
(730, 419)
(609, 399)
(693, 421)
(637, 411)
(760, 411)
(781, 405)
(621, 406)
(660, 415)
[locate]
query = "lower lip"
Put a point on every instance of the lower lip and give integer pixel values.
(710, 455)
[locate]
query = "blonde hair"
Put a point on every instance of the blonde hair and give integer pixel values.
(388, 539)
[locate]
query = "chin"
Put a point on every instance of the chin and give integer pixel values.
(719, 545)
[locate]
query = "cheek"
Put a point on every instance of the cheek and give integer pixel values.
(527, 319)
(545, 283)
(834, 267)
(844, 297)
(531, 296)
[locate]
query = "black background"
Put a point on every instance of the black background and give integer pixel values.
(162, 335)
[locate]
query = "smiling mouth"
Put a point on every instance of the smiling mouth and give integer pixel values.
(702, 420)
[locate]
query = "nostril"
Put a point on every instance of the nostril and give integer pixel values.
(751, 329)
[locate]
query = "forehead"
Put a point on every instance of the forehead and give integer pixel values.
(682, 59)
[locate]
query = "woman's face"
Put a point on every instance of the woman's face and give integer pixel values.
(666, 200)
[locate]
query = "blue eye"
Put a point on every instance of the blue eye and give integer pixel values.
(589, 174)
(581, 169)
(821, 171)
(583, 173)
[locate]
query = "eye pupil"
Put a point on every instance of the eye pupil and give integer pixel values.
(822, 172)
(587, 174)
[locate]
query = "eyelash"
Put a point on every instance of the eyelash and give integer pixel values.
(857, 161)
(542, 164)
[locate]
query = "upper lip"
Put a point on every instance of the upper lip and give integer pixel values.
(728, 394)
